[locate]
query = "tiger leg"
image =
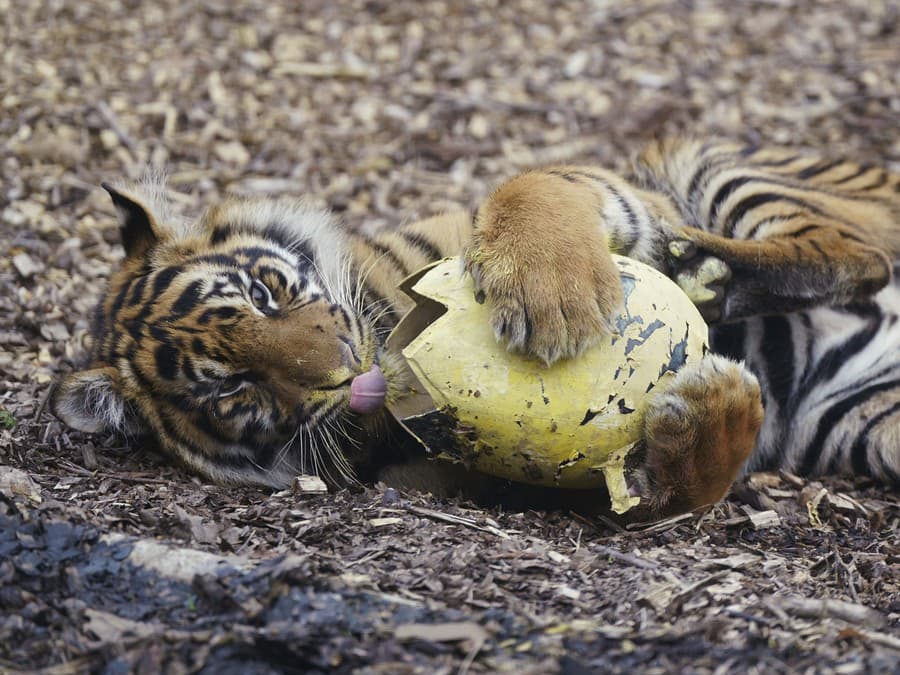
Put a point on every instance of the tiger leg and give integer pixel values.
(698, 434)
(854, 434)
(540, 257)
(876, 449)
(732, 279)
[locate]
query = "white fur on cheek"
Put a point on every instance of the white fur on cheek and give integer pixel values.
(90, 402)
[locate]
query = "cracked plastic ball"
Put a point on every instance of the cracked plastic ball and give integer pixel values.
(571, 424)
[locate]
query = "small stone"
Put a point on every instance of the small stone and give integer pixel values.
(32, 211)
(365, 110)
(43, 377)
(26, 266)
(291, 46)
(55, 332)
(649, 79)
(309, 485)
(257, 60)
(218, 94)
(479, 126)
(108, 139)
(247, 36)
(233, 152)
(384, 522)
(576, 63)
(568, 592)
(44, 357)
(45, 70)
(14, 217)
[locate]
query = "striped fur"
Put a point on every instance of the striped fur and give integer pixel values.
(790, 257)
(231, 340)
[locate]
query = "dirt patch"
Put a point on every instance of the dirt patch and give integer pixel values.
(386, 112)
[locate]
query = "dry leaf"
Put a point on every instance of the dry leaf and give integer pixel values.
(17, 483)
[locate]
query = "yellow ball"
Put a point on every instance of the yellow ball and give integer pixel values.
(567, 425)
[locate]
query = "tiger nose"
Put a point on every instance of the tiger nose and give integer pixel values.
(349, 356)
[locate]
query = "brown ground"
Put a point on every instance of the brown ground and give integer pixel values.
(387, 111)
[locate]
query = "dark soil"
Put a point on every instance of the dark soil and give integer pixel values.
(112, 561)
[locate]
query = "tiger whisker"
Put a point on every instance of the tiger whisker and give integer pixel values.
(281, 455)
(338, 457)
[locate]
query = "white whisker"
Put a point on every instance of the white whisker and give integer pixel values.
(281, 455)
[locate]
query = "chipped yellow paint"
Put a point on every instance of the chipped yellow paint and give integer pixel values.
(568, 425)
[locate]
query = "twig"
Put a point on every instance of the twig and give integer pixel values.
(771, 605)
(369, 557)
(469, 102)
(659, 525)
(456, 520)
(610, 523)
(603, 519)
(140, 479)
(816, 608)
(470, 657)
(626, 558)
(676, 600)
(44, 400)
(110, 118)
(749, 617)
(843, 571)
(882, 639)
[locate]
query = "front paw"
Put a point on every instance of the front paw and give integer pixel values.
(541, 261)
(698, 435)
(549, 317)
(703, 278)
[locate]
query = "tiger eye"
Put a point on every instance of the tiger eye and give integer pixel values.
(260, 295)
(231, 385)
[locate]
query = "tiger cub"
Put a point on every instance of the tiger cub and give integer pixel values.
(249, 342)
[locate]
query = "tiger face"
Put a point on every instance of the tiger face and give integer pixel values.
(240, 341)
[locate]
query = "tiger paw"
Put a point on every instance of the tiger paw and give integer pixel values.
(546, 273)
(698, 435)
(550, 318)
(703, 278)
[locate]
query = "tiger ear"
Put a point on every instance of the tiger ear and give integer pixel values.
(137, 226)
(90, 400)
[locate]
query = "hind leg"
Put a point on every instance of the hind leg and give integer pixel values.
(731, 279)
(857, 434)
(698, 435)
(876, 450)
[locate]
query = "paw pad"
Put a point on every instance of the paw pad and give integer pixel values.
(702, 278)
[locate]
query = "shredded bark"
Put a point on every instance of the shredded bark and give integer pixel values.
(384, 112)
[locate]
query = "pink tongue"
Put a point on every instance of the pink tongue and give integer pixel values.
(368, 391)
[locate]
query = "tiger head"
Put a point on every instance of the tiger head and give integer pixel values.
(240, 341)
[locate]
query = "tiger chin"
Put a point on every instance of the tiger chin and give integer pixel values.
(243, 342)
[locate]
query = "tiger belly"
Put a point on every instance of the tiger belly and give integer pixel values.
(831, 383)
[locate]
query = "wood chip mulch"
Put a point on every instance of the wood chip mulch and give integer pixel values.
(111, 561)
